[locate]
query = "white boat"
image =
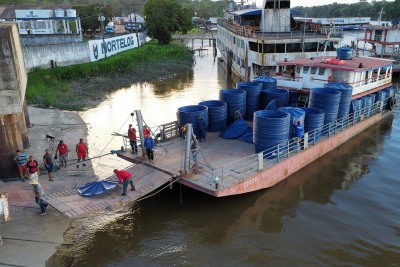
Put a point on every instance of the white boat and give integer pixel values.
(252, 41)
(385, 42)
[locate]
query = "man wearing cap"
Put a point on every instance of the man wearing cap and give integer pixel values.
(39, 193)
(124, 178)
(132, 138)
(62, 150)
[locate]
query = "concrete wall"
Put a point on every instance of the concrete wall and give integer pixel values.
(44, 39)
(13, 79)
(62, 54)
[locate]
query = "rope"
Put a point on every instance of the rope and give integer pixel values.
(155, 193)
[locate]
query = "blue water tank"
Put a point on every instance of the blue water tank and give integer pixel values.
(267, 82)
(296, 114)
(234, 98)
(313, 121)
(270, 128)
(367, 105)
(346, 91)
(217, 114)
(327, 100)
(281, 96)
(253, 97)
(191, 114)
(345, 53)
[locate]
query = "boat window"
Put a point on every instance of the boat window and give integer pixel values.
(305, 69)
(280, 48)
(295, 47)
(272, 4)
(269, 48)
(311, 47)
(313, 70)
(321, 71)
(253, 46)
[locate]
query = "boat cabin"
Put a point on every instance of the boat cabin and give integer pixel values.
(365, 74)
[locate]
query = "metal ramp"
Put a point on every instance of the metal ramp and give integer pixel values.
(145, 177)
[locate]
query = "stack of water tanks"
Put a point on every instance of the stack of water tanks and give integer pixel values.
(346, 91)
(234, 98)
(313, 123)
(270, 128)
(217, 114)
(253, 97)
(328, 101)
(191, 114)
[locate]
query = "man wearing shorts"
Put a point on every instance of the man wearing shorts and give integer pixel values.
(82, 151)
(62, 150)
(21, 159)
(48, 164)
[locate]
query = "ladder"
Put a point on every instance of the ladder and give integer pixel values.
(302, 101)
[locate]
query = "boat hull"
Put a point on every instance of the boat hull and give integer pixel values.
(271, 176)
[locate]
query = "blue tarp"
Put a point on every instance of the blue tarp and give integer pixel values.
(236, 129)
(247, 136)
(97, 187)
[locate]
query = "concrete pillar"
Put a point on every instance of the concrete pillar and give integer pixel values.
(13, 79)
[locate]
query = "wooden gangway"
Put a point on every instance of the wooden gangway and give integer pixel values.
(147, 179)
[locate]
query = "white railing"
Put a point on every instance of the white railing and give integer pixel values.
(239, 170)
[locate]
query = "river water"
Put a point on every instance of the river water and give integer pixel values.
(341, 210)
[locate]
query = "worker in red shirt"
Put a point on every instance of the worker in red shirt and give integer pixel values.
(124, 178)
(82, 151)
(132, 138)
(62, 150)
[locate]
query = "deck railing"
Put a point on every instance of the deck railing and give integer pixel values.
(241, 169)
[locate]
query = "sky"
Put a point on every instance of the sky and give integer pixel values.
(308, 3)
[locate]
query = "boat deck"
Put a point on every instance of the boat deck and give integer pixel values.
(212, 156)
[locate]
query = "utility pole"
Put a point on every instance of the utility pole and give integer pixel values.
(136, 25)
(101, 18)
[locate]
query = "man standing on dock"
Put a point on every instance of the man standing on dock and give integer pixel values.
(149, 145)
(82, 151)
(132, 139)
(124, 178)
(62, 150)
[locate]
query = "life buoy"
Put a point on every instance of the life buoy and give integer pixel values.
(330, 78)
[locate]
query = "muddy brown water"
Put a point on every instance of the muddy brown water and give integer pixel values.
(341, 210)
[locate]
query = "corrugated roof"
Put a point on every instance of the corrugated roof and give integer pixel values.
(368, 63)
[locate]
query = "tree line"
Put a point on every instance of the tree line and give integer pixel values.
(391, 10)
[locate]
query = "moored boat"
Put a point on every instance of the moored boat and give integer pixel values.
(384, 40)
(252, 41)
(337, 98)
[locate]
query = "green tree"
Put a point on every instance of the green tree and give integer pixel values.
(89, 16)
(164, 17)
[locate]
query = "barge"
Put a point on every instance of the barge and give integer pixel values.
(229, 166)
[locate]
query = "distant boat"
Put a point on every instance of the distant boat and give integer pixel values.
(385, 42)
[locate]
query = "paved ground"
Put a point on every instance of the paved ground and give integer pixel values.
(28, 238)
